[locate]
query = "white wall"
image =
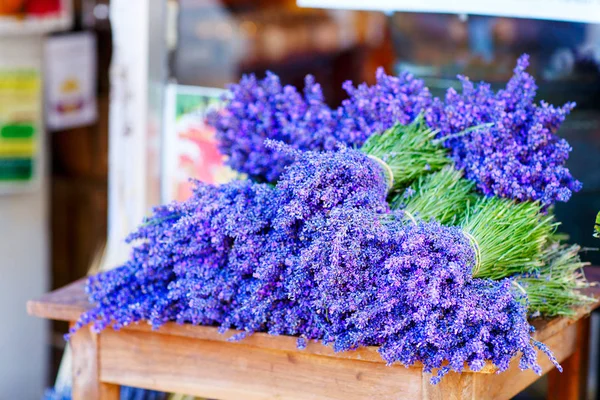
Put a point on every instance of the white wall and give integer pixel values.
(24, 266)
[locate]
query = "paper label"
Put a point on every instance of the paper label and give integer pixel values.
(70, 80)
(19, 129)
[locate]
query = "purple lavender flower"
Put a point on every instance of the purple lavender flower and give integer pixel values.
(520, 156)
(190, 259)
(318, 256)
(320, 181)
(381, 281)
(264, 109)
(392, 100)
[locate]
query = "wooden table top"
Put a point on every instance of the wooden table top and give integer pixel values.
(69, 302)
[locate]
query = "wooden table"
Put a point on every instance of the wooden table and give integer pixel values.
(197, 360)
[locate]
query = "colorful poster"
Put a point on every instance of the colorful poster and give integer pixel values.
(190, 148)
(20, 102)
(70, 80)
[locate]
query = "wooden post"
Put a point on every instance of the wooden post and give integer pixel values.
(571, 384)
(86, 378)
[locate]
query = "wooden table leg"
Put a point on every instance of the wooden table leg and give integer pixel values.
(86, 379)
(571, 384)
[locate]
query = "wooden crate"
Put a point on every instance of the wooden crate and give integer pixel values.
(197, 360)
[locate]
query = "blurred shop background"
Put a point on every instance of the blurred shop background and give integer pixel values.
(102, 107)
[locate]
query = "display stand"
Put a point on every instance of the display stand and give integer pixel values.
(197, 360)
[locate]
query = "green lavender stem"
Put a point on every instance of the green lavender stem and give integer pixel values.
(409, 150)
(555, 290)
(443, 196)
(511, 236)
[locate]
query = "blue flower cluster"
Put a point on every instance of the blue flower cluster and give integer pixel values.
(392, 100)
(409, 290)
(265, 109)
(319, 256)
(519, 156)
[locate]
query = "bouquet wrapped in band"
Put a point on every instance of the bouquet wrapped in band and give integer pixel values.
(421, 225)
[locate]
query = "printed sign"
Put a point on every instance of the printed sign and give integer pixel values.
(20, 102)
(190, 148)
(587, 11)
(70, 80)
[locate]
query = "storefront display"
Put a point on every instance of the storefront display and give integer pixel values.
(407, 210)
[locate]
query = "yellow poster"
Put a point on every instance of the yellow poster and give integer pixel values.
(20, 102)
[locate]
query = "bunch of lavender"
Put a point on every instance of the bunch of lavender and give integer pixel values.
(264, 109)
(309, 192)
(409, 290)
(551, 274)
(138, 290)
(519, 157)
(318, 256)
(346, 250)
(189, 261)
(273, 298)
(221, 243)
(343, 274)
(509, 237)
(518, 154)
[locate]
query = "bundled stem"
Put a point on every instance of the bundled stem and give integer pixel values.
(443, 196)
(511, 236)
(510, 239)
(410, 151)
(554, 290)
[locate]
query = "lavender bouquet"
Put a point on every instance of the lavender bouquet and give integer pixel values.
(513, 239)
(516, 155)
(398, 220)
(503, 144)
(319, 256)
